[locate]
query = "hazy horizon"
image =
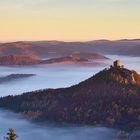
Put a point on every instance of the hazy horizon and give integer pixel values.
(129, 39)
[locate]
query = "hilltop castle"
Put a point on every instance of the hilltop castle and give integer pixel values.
(117, 64)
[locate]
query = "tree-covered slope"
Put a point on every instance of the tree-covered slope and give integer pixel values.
(110, 98)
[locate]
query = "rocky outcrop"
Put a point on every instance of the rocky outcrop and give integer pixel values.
(125, 76)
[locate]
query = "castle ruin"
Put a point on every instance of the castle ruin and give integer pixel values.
(117, 64)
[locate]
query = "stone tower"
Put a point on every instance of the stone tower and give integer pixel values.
(117, 64)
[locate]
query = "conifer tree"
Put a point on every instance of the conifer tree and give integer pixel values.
(11, 135)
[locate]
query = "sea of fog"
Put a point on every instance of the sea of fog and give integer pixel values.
(30, 131)
(54, 76)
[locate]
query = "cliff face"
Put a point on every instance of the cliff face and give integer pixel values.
(123, 76)
(110, 98)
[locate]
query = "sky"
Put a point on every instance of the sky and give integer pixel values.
(69, 20)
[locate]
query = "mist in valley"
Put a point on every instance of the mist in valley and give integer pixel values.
(51, 76)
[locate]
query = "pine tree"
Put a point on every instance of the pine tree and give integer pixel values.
(11, 135)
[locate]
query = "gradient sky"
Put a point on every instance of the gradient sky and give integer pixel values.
(69, 20)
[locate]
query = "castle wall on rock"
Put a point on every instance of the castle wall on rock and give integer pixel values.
(117, 64)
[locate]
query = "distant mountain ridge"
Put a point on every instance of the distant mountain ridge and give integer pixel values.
(29, 60)
(63, 60)
(109, 98)
(119, 47)
(25, 53)
(49, 50)
(55, 48)
(18, 60)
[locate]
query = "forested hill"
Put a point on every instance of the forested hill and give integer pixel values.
(110, 98)
(88, 50)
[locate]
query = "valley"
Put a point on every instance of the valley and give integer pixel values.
(47, 77)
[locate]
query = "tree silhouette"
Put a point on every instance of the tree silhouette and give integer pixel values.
(11, 135)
